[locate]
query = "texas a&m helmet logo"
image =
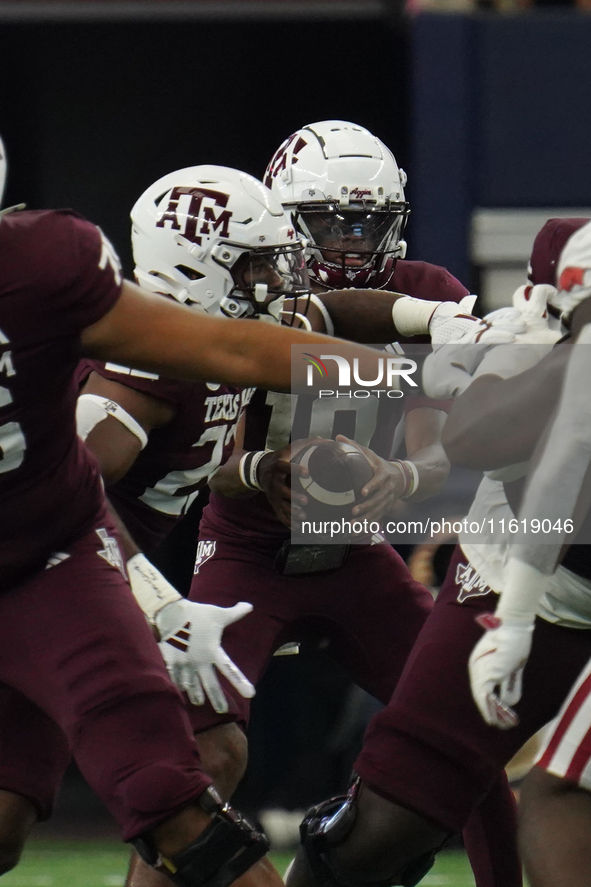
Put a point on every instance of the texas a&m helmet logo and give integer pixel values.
(202, 211)
(360, 193)
(279, 160)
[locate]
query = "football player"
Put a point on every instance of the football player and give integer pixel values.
(80, 672)
(556, 814)
(158, 440)
(341, 177)
(243, 266)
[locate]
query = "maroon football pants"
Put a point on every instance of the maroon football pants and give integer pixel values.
(81, 673)
(430, 749)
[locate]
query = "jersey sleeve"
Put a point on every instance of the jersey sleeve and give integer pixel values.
(444, 286)
(170, 390)
(426, 281)
(80, 270)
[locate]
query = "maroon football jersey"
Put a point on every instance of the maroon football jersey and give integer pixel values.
(272, 417)
(179, 457)
(58, 275)
(423, 280)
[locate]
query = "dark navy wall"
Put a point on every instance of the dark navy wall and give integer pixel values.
(501, 118)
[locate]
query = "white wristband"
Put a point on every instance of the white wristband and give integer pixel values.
(150, 589)
(410, 473)
(247, 469)
(411, 316)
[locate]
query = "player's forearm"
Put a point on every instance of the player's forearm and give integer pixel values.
(433, 469)
(128, 545)
(227, 480)
(362, 315)
(155, 334)
(378, 316)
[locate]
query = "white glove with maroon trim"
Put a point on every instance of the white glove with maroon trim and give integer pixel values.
(191, 644)
(532, 302)
(496, 668)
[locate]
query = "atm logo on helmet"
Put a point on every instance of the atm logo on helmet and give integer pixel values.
(279, 160)
(204, 210)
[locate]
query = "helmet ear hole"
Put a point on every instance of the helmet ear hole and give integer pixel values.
(191, 273)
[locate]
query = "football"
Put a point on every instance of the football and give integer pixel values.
(338, 473)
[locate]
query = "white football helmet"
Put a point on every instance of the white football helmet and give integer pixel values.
(573, 273)
(346, 195)
(216, 239)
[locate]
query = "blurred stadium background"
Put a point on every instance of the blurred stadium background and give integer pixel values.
(485, 104)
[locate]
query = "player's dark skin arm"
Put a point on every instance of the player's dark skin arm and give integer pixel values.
(116, 447)
(226, 480)
(498, 422)
(362, 315)
(151, 333)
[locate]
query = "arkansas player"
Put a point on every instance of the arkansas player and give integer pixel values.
(86, 676)
(556, 812)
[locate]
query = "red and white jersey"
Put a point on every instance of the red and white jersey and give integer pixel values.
(58, 275)
(179, 457)
(272, 418)
(567, 748)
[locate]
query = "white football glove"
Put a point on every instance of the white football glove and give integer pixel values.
(450, 320)
(190, 635)
(496, 668)
(532, 302)
(190, 642)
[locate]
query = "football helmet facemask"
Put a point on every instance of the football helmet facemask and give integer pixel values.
(345, 192)
(217, 240)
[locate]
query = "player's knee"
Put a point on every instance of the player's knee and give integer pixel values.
(371, 843)
(226, 848)
(224, 755)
